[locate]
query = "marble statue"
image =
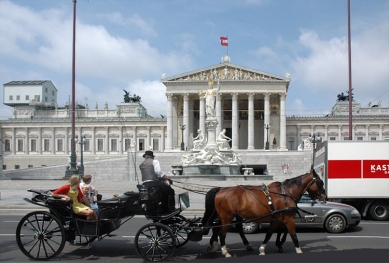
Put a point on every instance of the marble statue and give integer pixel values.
(199, 141)
(223, 141)
(210, 99)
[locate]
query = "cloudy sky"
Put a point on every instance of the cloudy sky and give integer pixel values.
(129, 44)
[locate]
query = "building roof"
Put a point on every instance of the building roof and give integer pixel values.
(26, 82)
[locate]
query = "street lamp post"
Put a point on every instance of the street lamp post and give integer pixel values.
(267, 127)
(73, 157)
(314, 139)
(81, 143)
(182, 127)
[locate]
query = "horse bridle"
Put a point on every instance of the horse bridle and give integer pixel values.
(321, 196)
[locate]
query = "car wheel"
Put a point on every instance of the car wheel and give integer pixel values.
(336, 223)
(250, 227)
(379, 211)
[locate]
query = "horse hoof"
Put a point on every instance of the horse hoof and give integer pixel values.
(298, 250)
(261, 251)
(249, 248)
(281, 250)
(225, 252)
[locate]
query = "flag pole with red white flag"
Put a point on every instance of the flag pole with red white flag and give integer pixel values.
(224, 42)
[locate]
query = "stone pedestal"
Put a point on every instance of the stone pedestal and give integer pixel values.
(211, 124)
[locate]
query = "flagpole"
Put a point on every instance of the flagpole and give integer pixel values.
(227, 47)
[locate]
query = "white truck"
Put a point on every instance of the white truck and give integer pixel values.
(356, 173)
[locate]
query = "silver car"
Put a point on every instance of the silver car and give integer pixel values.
(334, 217)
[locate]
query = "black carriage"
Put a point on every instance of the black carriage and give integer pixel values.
(42, 235)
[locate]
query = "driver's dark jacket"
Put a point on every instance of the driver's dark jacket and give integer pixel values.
(147, 170)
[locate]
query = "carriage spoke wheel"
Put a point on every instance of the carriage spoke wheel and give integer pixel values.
(179, 229)
(155, 242)
(40, 235)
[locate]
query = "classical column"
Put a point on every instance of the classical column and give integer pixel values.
(282, 121)
(325, 133)
(367, 132)
(191, 122)
(235, 122)
(66, 142)
(353, 131)
(186, 118)
(169, 139)
(219, 127)
(106, 150)
(92, 143)
(135, 139)
(202, 114)
(339, 132)
(380, 132)
(121, 140)
(148, 139)
(251, 121)
(13, 144)
(298, 135)
(162, 146)
(39, 142)
(53, 140)
(27, 144)
(267, 116)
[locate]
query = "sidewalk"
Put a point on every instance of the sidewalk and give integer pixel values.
(12, 192)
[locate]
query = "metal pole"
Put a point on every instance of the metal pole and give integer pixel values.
(350, 95)
(73, 157)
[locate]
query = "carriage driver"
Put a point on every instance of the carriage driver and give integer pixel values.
(152, 175)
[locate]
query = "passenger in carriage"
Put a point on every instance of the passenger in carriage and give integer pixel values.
(85, 188)
(152, 175)
(71, 191)
(92, 192)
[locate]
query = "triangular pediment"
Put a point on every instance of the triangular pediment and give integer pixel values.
(225, 72)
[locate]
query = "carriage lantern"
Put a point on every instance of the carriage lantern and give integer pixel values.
(143, 193)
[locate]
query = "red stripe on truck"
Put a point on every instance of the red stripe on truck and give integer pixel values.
(339, 169)
(375, 168)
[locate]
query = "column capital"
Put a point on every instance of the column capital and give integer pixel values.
(367, 125)
(340, 125)
(251, 95)
(219, 95)
(235, 95)
(169, 96)
(282, 95)
(185, 96)
(266, 95)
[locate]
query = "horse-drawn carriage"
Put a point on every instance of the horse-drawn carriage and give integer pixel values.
(42, 235)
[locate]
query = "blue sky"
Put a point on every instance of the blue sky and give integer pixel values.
(129, 44)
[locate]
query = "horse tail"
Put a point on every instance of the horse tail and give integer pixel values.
(210, 211)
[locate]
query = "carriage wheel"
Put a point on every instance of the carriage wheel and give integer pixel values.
(178, 228)
(40, 235)
(155, 242)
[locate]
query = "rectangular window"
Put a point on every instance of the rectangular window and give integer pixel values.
(100, 147)
(7, 145)
(127, 144)
(30, 166)
(20, 145)
(37, 98)
(46, 90)
(17, 166)
(11, 97)
(114, 145)
(290, 143)
(359, 138)
(332, 138)
(155, 144)
(60, 145)
(86, 145)
(373, 138)
(33, 145)
(46, 99)
(27, 97)
(345, 138)
(17, 97)
(46, 145)
(141, 144)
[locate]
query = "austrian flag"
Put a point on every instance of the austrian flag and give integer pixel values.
(224, 41)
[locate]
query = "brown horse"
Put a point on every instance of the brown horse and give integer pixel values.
(275, 204)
